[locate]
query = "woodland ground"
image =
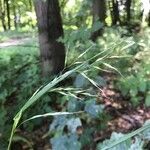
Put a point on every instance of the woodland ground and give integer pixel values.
(124, 118)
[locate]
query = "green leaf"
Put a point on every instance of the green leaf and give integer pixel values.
(114, 137)
(133, 91)
(124, 138)
(58, 123)
(65, 142)
(73, 124)
(146, 133)
(92, 109)
(147, 99)
(142, 86)
(137, 145)
(136, 100)
(96, 26)
(80, 81)
(75, 105)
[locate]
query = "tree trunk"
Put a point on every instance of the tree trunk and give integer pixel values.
(8, 13)
(116, 18)
(50, 29)
(149, 19)
(2, 15)
(99, 14)
(15, 15)
(3, 21)
(128, 10)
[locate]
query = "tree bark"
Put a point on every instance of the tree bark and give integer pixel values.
(99, 14)
(8, 13)
(149, 19)
(128, 10)
(2, 15)
(3, 21)
(15, 16)
(50, 29)
(115, 17)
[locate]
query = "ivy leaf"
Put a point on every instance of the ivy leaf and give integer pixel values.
(137, 145)
(58, 123)
(73, 124)
(61, 121)
(142, 86)
(147, 100)
(65, 142)
(146, 133)
(92, 109)
(114, 137)
(80, 81)
(74, 105)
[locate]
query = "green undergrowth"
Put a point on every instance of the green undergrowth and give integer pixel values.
(72, 98)
(19, 77)
(136, 85)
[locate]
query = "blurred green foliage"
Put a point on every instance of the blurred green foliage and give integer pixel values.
(136, 84)
(122, 51)
(19, 77)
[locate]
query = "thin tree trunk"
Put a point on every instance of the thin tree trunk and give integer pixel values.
(8, 13)
(3, 21)
(116, 17)
(15, 16)
(2, 14)
(99, 14)
(149, 19)
(50, 29)
(128, 10)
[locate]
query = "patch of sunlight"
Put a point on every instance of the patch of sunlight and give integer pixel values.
(71, 3)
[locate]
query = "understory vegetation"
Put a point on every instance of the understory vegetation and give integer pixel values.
(80, 91)
(74, 75)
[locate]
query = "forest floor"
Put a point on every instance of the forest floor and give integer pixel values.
(9, 39)
(123, 117)
(14, 42)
